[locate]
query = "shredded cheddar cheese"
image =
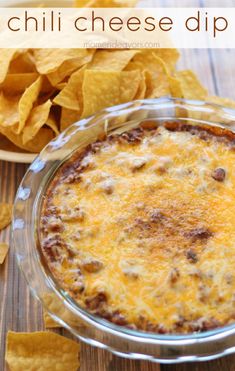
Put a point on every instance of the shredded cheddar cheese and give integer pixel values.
(143, 233)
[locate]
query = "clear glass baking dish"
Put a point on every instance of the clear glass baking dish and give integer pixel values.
(88, 328)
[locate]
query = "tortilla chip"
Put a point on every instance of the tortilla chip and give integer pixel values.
(49, 60)
(61, 85)
(113, 60)
(16, 83)
(43, 137)
(4, 247)
(226, 102)
(71, 96)
(105, 3)
(190, 86)
(56, 306)
(157, 84)
(129, 83)
(23, 63)
(186, 85)
(142, 86)
(27, 101)
(68, 117)
(9, 114)
(175, 87)
(5, 215)
(6, 57)
(103, 89)
(6, 145)
(41, 351)
(133, 66)
(52, 123)
(169, 56)
(68, 67)
(38, 117)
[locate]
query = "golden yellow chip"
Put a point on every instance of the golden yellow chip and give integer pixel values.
(52, 123)
(190, 86)
(175, 87)
(4, 247)
(5, 214)
(104, 89)
(43, 137)
(27, 101)
(38, 117)
(157, 83)
(68, 117)
(142, 86)
(169, 56)
(6, 57)
(113, 60)
(16, 83)
(105, 3)
(68, 67)
(6, 145)
(133, 66)
(226, 102)
(71, 96)
(49, 60)
(46, 88)
(57, 307)
(23, 63)
(129, 84)
(159, 80)
(9, 114)
(61, 85)
(44, 351)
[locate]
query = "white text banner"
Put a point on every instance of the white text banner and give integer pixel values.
(117, 28)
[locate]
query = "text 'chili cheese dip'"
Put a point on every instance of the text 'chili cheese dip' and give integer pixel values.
(139, 228)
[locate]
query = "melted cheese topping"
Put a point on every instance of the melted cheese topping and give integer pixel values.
(157, 227)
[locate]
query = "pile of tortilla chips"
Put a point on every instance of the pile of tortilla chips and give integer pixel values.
(43, 91)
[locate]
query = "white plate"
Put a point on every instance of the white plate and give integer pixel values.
(23, 158)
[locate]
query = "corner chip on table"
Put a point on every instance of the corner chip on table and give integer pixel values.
(5, 215)
(44, 351)
(4, 247)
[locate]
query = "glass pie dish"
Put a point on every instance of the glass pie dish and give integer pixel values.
(61, 306)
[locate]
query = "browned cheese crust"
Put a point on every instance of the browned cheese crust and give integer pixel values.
(139, 228)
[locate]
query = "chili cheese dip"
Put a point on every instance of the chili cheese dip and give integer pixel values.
(139, 228)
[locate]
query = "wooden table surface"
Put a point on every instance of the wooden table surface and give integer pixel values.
(19, 311)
